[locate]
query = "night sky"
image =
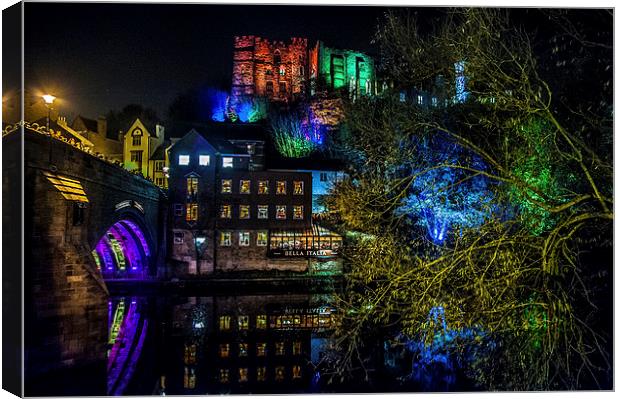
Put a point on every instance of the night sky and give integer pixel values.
(98, 57)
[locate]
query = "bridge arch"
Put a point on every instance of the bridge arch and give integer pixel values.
(125, 249)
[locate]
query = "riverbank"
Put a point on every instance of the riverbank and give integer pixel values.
(230, 283)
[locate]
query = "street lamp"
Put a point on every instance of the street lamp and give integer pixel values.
(49, 100)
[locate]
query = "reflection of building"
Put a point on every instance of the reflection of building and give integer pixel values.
(229, 213)
(144, 151)
(96, 132)
(259, 344)
(283, 71)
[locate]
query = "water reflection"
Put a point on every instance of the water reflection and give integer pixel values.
(218, 344)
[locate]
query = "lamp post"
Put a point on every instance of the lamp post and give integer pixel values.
(48, 99)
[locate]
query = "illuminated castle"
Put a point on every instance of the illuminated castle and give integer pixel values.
(282, 71)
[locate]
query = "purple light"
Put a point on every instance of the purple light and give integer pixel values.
(134, 249)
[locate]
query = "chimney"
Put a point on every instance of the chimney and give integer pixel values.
(102, 126)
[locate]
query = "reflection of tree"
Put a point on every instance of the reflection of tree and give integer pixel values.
(526, 189)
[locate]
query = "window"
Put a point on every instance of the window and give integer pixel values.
(297, 348)
(280, 211)
(337, 71)
(244, 238)
(282, 71)
(296, 371)
(282, 88)
(280, 187)
(261, 238)
(178, 210)
(243, 374)
(403, 97)
(263, 212)
(136, 141)
(279, 373)
(192, 212)
(159, 166)
(136, 156)
(434, 101)
(189, 379)
(224, 323)
(263, 186)
(78, 213)
(225, 238)
(323, 176)
(224, 376)
(226, 186)
(276, 57)
(261, 349)
(159, 181)
(243, 349)
(243, 321)
(178, 238)
(183, 159)
(189, 354)
(420, 99)
(227, 162)
(298, 212)
(298, 187)
(251, 149)
(261, 373)
(279, 348)
(268, 72)
(192, 188)
(204, 160)
(224, 350)
(244, 187)
(225, 211)
(269, 88)
(301, 70)
(261, 321)
(244, 211)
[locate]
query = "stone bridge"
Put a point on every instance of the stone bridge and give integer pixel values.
(86, 221)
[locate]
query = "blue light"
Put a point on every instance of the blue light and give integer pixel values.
(218, 100)
(245, 111)
(461, 93)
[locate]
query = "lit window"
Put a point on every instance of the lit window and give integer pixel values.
(225, 239)
(204, 160)
(280, 187)
(189, 379)
(178, 210)
(434, 101)
(244, 238)
(226, 186)
(280, 211)
(296, 371)
(403, 97)
(298, 187)
(261, 373)
(178, 238)
(244, 321)
(251, 149)
(298, 212)
(225, 211)
(279, 373)
(224, 376)
(224, 323)
(261, 321)
(243, 349)
(297, 348)
(244, 211)
(261, 239)
(420, 99)
(183, 159)
(282, 70)
(263, 211)
(189, 356)
(263, 186)
(243, 374)
(244, 187)
(192, 212)
(261, 349)
(224, 350)
(227, 162)
(279, 348)
(192, 188)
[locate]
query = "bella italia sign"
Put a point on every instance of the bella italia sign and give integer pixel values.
(300, 253)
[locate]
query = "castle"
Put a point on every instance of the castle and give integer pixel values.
(280, 71)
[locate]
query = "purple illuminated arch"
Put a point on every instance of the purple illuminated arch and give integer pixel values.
(123, 251)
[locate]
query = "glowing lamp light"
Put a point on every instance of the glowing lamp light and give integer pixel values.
(48, 98)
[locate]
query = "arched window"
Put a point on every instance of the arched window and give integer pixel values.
(276, 57)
